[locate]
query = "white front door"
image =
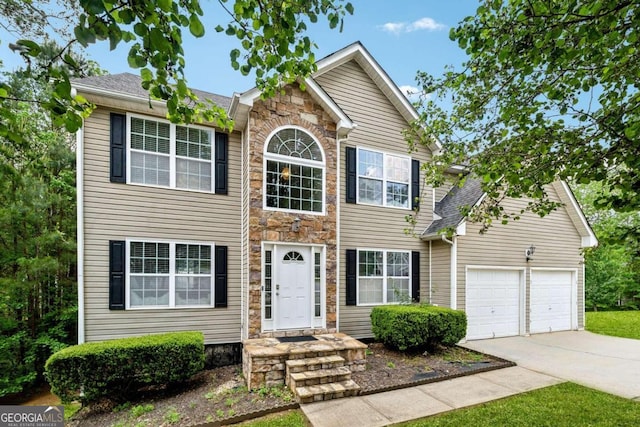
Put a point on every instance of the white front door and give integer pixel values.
(294, 273)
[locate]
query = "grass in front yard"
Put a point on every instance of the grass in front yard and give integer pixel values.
(294, 418)
(624, 324)
(564, 404)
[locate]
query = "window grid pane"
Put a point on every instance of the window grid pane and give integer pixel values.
(267, 284)
(193, 174)
(150, 169)
(150, 279)
(194, 143)
(383, 277)
(317, 283)
(151, 157)
(295, 143)
(296, 187)
(383, 179)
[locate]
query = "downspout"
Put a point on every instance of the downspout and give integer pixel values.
(243, 236)
(430, 268)
(339, 202)
(80, 229)
(453, 270)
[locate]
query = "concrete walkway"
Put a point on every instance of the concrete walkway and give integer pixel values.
(602, 362)
(422, 401)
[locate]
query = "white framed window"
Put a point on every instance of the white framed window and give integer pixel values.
(294, 174)
(383, 179)
(164, 274)
(383, 276)
(164, 154)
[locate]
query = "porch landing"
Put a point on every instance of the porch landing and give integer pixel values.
(319, 369)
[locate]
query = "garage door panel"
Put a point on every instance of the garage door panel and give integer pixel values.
(493, 303)
(551, 301)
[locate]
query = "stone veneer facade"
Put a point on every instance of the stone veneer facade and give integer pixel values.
(293, 108)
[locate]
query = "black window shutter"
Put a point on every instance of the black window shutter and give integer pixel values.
(415, 276)
(351, 175)
(118, 141)
(415, 184)
(222, 163)
(220, 293)
(116, 274)
(352, 267)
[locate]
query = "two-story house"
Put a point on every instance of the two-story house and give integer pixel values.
(294, 222)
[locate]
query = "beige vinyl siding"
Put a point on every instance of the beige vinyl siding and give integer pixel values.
(120, 211)
(379, 128)
(555, 237)
(440, 273)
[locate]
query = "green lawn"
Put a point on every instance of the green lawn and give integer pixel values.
(565, 404)
(293, 418)
(615, 323)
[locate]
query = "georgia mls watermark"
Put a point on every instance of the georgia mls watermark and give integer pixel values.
(31, 416)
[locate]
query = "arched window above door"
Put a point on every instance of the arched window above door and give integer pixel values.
(294, 172)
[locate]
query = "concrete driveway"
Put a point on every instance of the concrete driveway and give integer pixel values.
(598, 361)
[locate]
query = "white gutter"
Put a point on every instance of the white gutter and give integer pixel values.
(80, 229)
(117, 95)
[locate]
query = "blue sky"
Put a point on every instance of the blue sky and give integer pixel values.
(403, 35)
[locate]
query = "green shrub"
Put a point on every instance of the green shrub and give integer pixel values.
(119, 367)
(417, 326)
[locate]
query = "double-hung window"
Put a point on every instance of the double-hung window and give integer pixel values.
(383, 179)
(383, 277)
(169, 274)
(168, 155)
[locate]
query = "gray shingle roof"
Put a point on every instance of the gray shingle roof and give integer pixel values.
(129, 84)
(449, 207)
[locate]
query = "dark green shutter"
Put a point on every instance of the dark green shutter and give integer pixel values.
(351, 173)
(415, 184)
(220, 294)
(118, 148)
(117, 267)
(415, 276)
(222, 163)
(352, 268)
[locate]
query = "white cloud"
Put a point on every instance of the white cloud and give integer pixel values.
(394, 27)
(426, 23)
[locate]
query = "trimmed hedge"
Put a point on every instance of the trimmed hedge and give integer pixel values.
(116, 368)
(417, 326)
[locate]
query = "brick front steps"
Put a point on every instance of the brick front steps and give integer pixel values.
(314, 370)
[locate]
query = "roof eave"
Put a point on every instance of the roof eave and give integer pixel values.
(92, 90)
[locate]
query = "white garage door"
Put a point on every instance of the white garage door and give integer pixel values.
(493, 303)
(550, 300)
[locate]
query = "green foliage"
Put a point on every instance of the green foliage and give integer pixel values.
(139, 410)
(612, 270)
(624, 324)
(417, 326)
(117, 368)
(562, 405)
(548, 92)
(272, 34)
(37, 233)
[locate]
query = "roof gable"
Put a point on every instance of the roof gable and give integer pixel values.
(471, 194)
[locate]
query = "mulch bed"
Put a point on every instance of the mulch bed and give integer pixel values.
(219, 396)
